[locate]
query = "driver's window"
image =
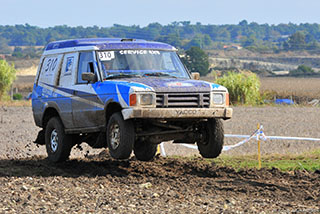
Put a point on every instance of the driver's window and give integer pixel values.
(86, 62)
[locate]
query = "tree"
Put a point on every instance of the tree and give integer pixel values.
(7, 76)
(248, 41)
(297, 41)
(4, 47)
(196, 60)
(172, 39)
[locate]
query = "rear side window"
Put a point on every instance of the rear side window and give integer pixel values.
(50, 70)
(85, 65)
(67, 76)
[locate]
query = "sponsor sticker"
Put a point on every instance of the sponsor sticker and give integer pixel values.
(179, 84)
(69, 66)
(139, 52)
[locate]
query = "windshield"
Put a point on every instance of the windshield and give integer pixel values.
(141, 63)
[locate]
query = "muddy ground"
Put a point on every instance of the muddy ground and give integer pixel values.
(91, 182)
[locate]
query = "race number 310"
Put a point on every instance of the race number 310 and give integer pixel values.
(51, 64)
(106, 55)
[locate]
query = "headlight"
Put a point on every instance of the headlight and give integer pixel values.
(217, 99)
(142, 99)
(146, 99)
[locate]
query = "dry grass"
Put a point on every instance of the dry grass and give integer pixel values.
(301, 89)
(30, 71)
(16, 103)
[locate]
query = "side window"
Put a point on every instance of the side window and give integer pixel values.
(50, 70)
(86, 61)
(68, 67)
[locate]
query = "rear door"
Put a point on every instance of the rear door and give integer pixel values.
(66, 82)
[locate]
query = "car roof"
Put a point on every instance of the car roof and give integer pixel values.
(105, 44)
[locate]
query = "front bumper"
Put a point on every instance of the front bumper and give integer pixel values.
(166, 113)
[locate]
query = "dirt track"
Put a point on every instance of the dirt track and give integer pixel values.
(162, 186)
(28, 183)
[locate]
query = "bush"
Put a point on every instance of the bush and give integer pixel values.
(17, 97)
(302, 70)
(243, 88)
(7, 76)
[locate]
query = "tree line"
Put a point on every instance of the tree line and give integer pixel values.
(254, 36)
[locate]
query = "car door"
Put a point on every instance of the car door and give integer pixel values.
(66, 81)
(85, 99)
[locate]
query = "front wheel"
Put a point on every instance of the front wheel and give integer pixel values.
(212, 144)
(145, 151)
(58, 144)
(120, 136)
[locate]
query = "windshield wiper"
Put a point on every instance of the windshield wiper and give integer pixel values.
(158, 74)
(118, 76)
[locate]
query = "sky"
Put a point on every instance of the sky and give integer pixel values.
(105, 13)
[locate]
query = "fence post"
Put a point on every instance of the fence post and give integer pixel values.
(259, 151)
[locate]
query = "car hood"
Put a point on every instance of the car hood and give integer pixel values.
(163, 85)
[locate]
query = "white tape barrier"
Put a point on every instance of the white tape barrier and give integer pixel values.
(258, 134)
(226, 148)
(275, 137)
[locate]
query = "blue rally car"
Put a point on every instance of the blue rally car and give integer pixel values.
(124, 94)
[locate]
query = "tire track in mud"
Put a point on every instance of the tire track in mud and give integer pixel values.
(101, 184)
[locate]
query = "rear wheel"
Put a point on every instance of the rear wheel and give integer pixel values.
(120, 136)
(58, 144)
(145, 151)
(212, 144)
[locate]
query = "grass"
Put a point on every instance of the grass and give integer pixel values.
(309, 161)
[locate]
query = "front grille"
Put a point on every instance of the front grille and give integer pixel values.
(183, 100)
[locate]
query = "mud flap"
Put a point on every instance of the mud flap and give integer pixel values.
(101, 141)
(40, 140)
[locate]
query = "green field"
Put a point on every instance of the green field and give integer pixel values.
(307, 162)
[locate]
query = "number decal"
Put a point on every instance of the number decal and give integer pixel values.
(51, 64)
(106, 55)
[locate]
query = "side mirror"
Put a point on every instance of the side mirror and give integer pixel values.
(195, 75)
(88, 76)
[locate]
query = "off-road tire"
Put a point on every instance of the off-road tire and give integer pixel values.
(59, 147)
(145, 151)
(122, 148)
(214, 139)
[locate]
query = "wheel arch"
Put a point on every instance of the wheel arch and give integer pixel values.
(110, 109)
(49, 113)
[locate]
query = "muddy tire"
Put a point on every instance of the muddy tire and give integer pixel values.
(58, 144)
(120, 136)
(145, 151)
(212, 146)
